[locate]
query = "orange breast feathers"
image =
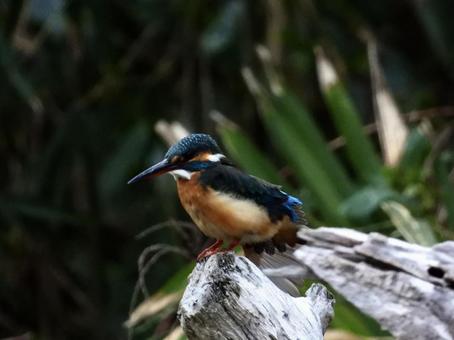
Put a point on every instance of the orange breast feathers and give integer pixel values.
(224, 217)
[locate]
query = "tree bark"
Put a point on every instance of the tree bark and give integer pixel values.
(407, 288)
(228, 297)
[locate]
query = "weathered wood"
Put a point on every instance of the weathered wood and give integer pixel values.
(407, 288)
(228, 297)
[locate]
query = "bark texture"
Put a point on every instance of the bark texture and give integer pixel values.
(228, 297)
(407, 288)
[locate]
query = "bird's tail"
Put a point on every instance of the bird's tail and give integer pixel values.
(282, 268)
(286, 237)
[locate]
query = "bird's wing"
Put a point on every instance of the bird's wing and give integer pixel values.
(234, 182)
(276, 202)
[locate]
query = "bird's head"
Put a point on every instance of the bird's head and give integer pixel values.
(193, 153)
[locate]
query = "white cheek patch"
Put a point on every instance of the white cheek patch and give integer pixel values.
(216, 157)
(180, 173)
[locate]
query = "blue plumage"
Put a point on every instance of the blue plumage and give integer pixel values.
(293, 205)
(198, 165)
(230, 180)
(193, 144)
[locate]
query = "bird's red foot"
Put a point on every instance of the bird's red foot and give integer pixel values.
(213, 249)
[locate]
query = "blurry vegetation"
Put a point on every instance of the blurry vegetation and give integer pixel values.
(345, 103)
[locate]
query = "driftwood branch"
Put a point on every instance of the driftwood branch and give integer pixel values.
(228, 297)
(407, 288)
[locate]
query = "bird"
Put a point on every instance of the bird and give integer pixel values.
(227, 204)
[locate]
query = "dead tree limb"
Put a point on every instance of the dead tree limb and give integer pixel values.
(228, 297)
(407, 288)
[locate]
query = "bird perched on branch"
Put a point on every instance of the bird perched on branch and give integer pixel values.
(225, 203)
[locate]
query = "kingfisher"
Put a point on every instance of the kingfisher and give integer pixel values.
(225, 203)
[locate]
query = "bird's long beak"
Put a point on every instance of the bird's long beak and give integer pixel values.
(158, 169)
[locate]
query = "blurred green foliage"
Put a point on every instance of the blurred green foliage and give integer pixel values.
(83, 83)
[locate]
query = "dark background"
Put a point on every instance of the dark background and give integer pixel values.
(82, 84)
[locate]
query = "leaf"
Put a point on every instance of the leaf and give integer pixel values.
(152, 306)
(366, 201)
(306, 132)
(413, 230)
(172, 132)
(243, 151)
(417, 148)
(392, 130)
(287, 139)
(347, 120)
(293, 110)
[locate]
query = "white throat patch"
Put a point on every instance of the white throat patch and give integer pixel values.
(216, 157)
(180, 173)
